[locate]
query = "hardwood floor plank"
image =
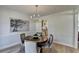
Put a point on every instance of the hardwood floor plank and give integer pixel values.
(58, 48)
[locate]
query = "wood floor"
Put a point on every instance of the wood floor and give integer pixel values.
(58, 48)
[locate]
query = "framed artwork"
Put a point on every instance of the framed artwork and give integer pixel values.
(19, 25)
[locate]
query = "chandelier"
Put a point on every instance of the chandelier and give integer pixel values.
(35, 15)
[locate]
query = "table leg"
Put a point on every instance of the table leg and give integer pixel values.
(41, 50)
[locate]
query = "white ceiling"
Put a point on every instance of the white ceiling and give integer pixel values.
(43, 10)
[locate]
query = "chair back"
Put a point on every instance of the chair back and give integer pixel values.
(50, 40)
(22, 36)
(30, 47)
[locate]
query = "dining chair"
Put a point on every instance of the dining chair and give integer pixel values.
(46, 44)
(22, 36)
(30, 47)
(40, 45)
(50, 41)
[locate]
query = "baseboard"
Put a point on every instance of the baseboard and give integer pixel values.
(64, 44)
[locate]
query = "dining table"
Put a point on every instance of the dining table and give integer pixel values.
(39, 39)
(33, 41)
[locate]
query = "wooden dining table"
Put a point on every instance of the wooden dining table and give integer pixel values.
(35, 41)
(40, 39)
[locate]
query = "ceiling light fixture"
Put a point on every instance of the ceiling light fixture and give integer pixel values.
(36, 15)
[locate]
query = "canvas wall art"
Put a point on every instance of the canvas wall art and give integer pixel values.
(19, 25)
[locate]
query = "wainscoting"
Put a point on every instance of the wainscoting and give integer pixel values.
(11, 49)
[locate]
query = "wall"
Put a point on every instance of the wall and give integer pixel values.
(8, 38)
(32, 27)
(35, 25)
(61, 26)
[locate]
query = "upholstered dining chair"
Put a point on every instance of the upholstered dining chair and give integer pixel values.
(46, 44)
(50, 41)
(22, 36)
(30, 47)
(40, 45)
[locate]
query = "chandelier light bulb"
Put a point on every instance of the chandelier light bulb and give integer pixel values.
(36, 15)
(31, 17)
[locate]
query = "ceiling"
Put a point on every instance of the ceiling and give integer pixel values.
(43, 10)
